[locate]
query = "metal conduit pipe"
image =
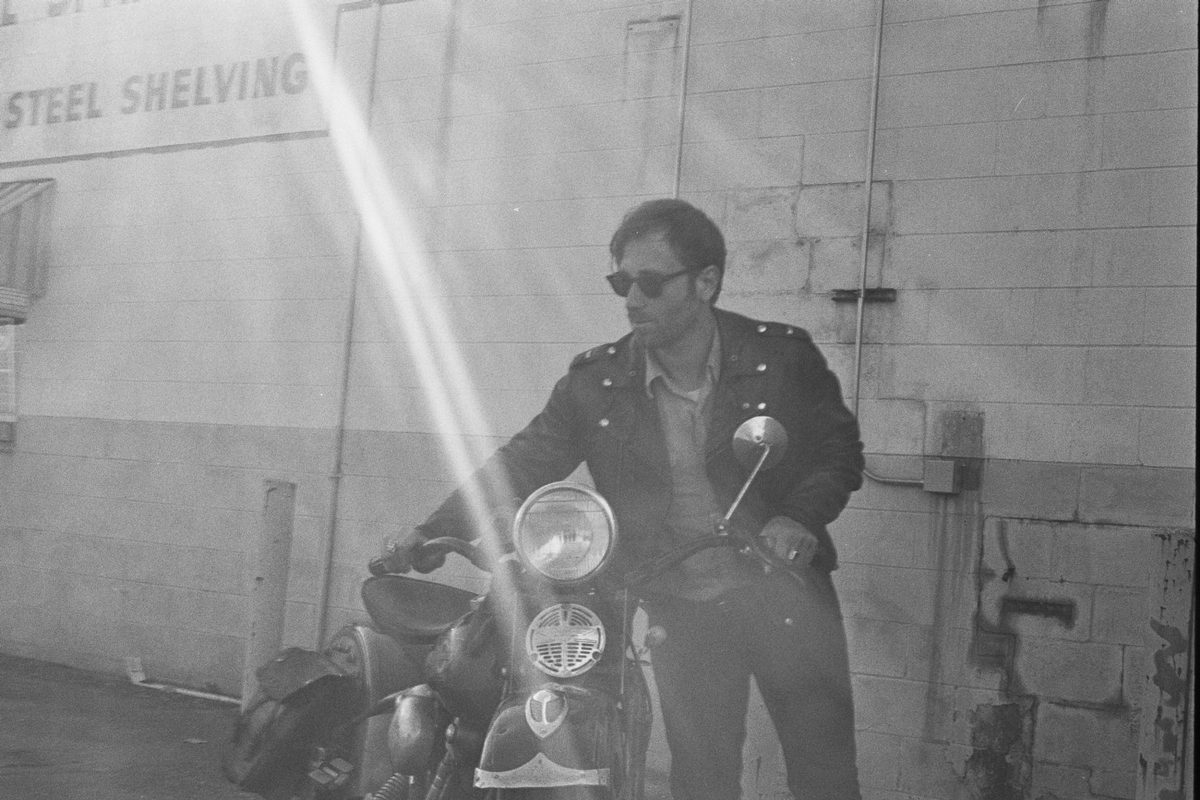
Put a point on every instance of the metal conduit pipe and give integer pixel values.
(687, 48)
(868, 184)
(339, 444)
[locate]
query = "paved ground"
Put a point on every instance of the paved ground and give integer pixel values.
(66, 734)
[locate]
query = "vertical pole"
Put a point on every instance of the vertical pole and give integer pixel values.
(268, 588)
(683, 87)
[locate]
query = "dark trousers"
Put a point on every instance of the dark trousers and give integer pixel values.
(790, 639)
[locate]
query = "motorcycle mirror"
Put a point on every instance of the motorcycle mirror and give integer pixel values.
(758, 443)
(756, 435)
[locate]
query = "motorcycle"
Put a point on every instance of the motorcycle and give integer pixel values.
(534, 689)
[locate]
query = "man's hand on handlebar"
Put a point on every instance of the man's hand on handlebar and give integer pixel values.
(404, 554)
(789, 540)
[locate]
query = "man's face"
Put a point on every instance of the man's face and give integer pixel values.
(660, 321)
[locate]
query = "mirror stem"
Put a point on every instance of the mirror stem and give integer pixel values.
(766, 451)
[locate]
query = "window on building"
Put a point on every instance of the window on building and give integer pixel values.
(24, 212)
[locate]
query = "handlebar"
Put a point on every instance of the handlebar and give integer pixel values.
(468, 550)
(749, 545)
(431, 553)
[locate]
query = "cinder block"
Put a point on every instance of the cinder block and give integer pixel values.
(837, 209)
(900, 707)
(1030, 489)
(964, 205)
(1085, 737)
(983, 316)
(1116, 783)
(1172, 196)
(1170, 318)
(878, 760)
(877, 648)
(1069, 672)
(1141, 376)
(748, 164)
(833, 108)
(1056, 780)
(932, 769)
(1167, 438)
(1119, 615)
(891, 594)
(727, 116)
(947, 656)
(834, 157)
(1097, 316)
(1157, 25)
(776, 61)
(1137, 496)
(955, 373)
(836, 263)
(962, 96)
(1058, 432)
(1146, 82)
(760, 214)
(1149, 139)
(766, 266)
(1054, 144)
(958, 42)
(1096, 555)
(942, 151)
(893, 426)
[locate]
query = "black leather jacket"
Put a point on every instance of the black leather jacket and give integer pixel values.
(599, 414)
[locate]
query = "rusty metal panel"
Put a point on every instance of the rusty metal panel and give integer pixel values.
(1164, 750)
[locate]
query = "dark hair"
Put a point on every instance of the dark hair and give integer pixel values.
(694, 238)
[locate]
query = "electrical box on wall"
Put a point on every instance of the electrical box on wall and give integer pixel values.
(942, 476)
(957, 467)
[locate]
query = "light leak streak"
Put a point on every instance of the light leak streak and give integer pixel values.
(394, 241)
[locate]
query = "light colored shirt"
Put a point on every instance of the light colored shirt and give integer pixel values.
(693, 511)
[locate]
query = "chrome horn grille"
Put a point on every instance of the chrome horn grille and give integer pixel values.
(565, 640)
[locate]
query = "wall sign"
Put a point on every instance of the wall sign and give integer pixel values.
(94, 76)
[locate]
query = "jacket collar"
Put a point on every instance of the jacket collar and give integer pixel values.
(629, 357)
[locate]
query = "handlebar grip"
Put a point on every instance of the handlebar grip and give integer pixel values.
(439, 547)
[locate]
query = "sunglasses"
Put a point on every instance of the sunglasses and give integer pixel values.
(651, 284)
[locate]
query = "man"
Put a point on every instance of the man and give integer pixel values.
(653, 416)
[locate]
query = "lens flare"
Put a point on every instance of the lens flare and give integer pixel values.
(392, 244)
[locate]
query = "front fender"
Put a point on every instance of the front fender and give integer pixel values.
(555, 736)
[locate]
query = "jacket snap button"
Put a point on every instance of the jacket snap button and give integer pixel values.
(606, 382)
(604, 423)
(762, 328)
(762, 406)
(745, 406)
(761, 367)
(612, 351)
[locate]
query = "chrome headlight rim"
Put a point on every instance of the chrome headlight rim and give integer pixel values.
(531, 503)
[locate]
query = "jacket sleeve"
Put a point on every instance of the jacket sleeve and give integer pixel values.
(546, 450)
(829, 456)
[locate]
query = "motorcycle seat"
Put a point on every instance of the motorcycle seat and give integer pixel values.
(411, 609)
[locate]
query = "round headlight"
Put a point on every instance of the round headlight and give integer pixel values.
(565, 531)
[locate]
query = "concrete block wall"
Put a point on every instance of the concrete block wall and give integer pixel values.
(188, 348)
(1031, 205)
